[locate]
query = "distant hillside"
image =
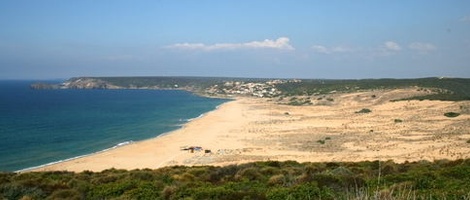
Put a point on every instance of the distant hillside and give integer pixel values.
(162, 82)
(454, 89)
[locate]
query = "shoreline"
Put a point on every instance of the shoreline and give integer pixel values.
(252, 129)
(125, 143)
(34, 168)
(66, 162)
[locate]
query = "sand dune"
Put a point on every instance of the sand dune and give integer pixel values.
(254, 129)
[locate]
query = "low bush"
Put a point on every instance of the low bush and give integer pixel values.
(451, 114)
(364, 110)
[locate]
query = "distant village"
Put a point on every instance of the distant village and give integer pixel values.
(256, 89)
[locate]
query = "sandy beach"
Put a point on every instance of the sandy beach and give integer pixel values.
(258, 129)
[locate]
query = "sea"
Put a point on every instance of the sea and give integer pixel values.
(41, 127)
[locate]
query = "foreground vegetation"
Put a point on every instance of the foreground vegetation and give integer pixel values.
(260, 180)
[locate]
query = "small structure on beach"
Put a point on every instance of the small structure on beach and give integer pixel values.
(191, 148)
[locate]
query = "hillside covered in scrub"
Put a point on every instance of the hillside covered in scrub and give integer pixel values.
(260, 180)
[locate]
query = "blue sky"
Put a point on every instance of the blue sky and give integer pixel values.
(274, 39)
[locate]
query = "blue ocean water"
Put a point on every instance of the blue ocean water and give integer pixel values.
(43, 126)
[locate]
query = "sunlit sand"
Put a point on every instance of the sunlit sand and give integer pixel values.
(257, 129)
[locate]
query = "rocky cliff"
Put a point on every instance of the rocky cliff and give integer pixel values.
(88, 83)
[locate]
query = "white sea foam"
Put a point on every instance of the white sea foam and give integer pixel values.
(51, 163)
(201, 115)
(123, 144)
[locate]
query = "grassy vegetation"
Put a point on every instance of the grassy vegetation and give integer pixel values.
(259, 180)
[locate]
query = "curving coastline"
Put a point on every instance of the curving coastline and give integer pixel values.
(150, 153)
(73, 158)
(119, 145)
(252, 129)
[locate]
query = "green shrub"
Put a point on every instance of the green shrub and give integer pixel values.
(213, 193)
(66, 194)
(299, 102)
(143, 191)
(114, 189)
(328, 180)
(398, 121)
(169, 191)
(276, 180)
(304, 191)
(14, 191)
(364, 110)
(278, 194)
(451, 114)
(249, 173)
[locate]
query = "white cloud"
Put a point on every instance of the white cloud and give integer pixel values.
(281, 43)
(320, 49)
(330, 50)
(187, 46)
(422, 47)
(392, 46)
